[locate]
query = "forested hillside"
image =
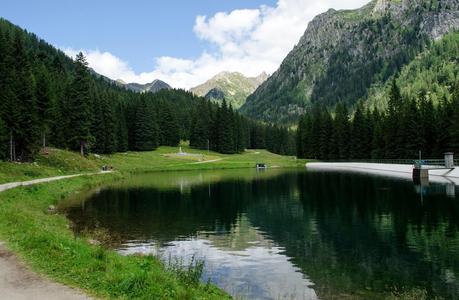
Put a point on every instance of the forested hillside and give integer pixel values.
(48, 99)
(344, 53)
(416, 111)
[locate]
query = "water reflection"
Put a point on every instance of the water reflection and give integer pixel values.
(242, 261)
(276, 234)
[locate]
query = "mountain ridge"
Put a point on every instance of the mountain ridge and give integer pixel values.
(152, 87)
(233, 86)
(342, 53)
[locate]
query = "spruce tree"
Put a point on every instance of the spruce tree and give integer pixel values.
(3, 141)
(427, 126)
(358, 132)
(201, 125)
(394, 132)
(45, 99)
(225, 132)
(454, 132)
(342, 131)
(146, 130)
(122, 138)
(25, 126)
(109, 124)
(168, 125)
(80, 114)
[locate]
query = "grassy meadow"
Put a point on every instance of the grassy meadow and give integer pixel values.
(45, 241)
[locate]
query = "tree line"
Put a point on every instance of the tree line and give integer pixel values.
(50, 99)
(405, 128)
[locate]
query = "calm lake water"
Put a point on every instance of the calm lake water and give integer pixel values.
(288, 234)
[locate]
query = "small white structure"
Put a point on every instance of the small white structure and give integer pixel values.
(181, 152)
(449, 160)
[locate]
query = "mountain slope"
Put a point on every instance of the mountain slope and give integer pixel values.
(433, 72)
(343, 53)
(153, 87)
(234, 87)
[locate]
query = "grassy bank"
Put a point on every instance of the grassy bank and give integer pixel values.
(45, 241)
(58, 162)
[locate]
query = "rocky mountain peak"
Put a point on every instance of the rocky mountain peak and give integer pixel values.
(342, 53)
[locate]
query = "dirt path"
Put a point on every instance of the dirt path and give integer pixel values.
(11, 185)
(17, 282)
(206, 161)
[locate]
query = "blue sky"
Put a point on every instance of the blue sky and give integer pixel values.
(182, 42)
(134, 30)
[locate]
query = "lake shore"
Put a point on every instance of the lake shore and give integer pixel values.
(390, 170)
(45, 242)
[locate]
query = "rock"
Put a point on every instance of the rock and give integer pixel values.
(52, 209)
(94, 242)
(341, 48)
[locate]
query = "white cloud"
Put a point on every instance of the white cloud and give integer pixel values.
(246, 40)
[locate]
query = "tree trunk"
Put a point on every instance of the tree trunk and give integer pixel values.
(11, 145)
(82, 148)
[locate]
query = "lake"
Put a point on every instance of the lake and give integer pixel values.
(287, 234)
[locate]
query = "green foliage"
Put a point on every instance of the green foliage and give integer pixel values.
(146, 128)
(47, 245)
(3, 140)
(47, 98)
(79, 106)
(408, 126)
(346, 56)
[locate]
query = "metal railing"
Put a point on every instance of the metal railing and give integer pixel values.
(429, 162)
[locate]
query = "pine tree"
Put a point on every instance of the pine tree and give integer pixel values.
(80, 114)
(45, 99)
(377, 142)
(413, 130)
(25, 126)
(3, 141)
(225, 131)
(326, 135)
(454, 132)
(146, 130)
(9, 110)
(342, 131)
(394, 132)
(98, 122)
(201, 125)
(109, 124)
(358, 133)
(121, 130)
(427, 111)
(168, 125)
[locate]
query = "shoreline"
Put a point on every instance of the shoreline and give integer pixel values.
(45, 242)
(389, 170)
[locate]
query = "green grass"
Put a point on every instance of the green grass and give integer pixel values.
(55, 163)
(166, 159)
(59, 162)
(46, 242)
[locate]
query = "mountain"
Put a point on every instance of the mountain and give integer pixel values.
(433, 73)
(342, 54)
(153, 87)
(234, 87)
